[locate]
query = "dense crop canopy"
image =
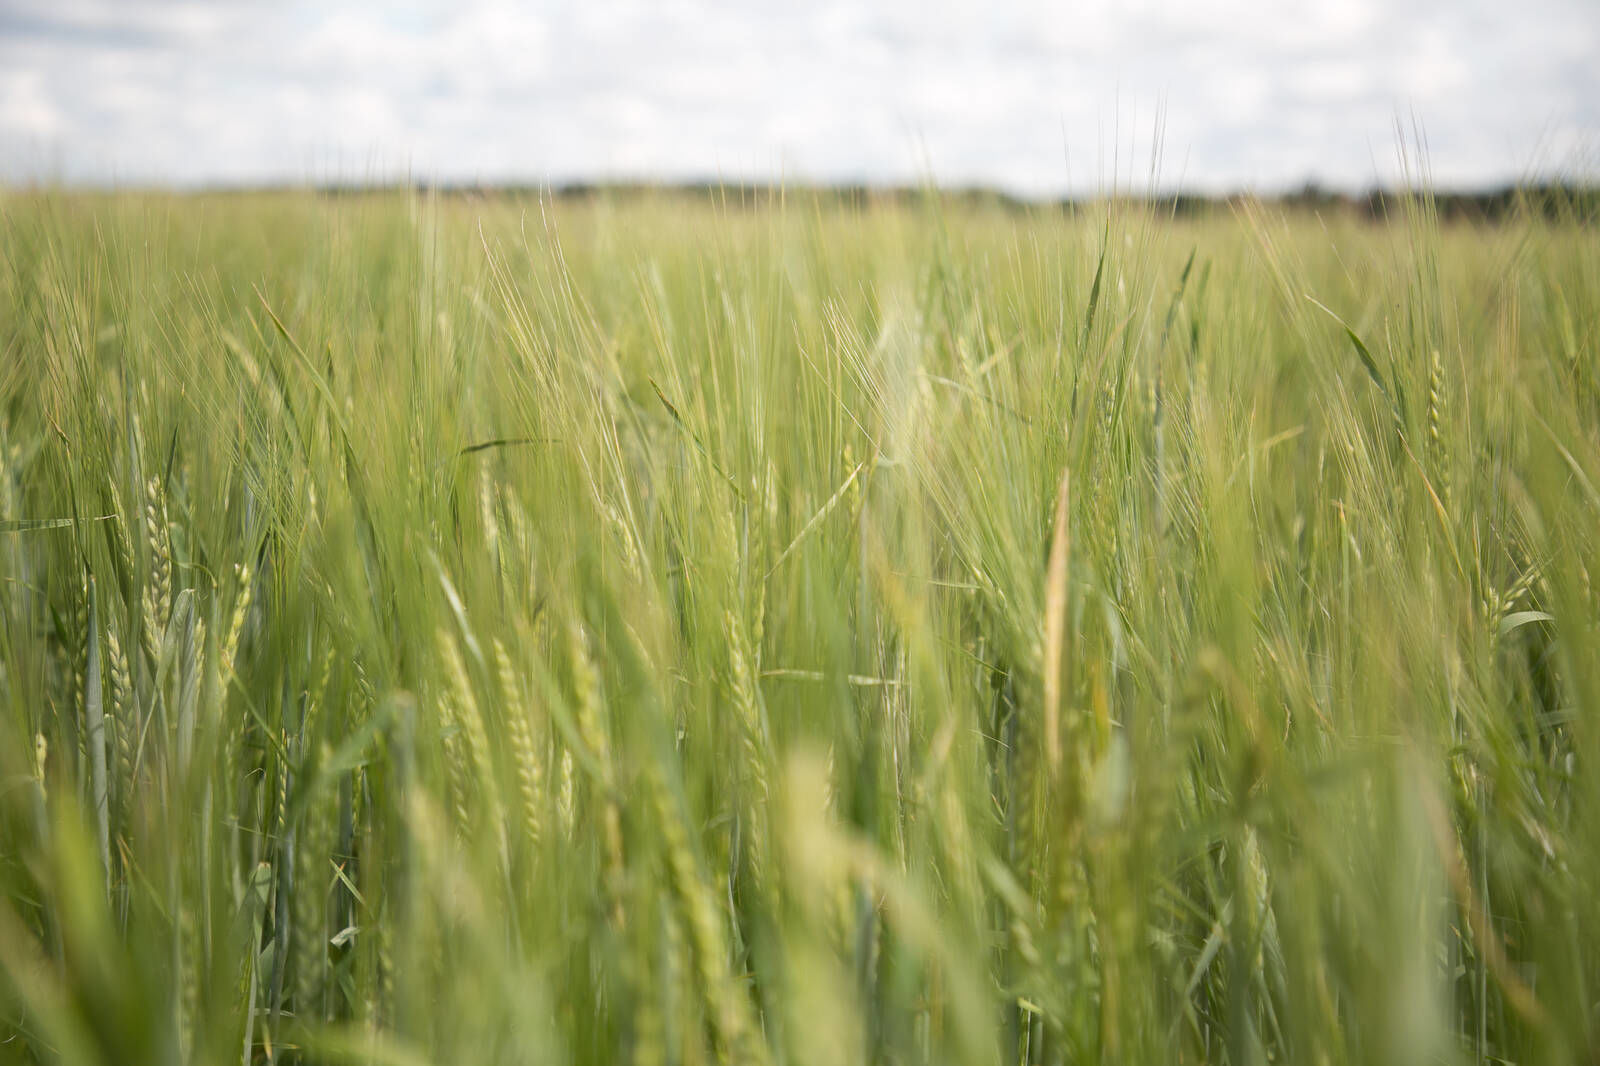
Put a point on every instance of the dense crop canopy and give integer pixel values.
(666, 630)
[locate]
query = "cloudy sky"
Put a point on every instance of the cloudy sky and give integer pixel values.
(1037, 98)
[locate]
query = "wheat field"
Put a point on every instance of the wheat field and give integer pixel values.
(795, 629)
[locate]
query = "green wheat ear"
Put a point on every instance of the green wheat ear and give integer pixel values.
(123, 723)
(527, 753)
(157, 601)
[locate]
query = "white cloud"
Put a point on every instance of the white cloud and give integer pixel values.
(1023, 95)
(25, 108)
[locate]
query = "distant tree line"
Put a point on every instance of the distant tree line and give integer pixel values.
(1557, 201)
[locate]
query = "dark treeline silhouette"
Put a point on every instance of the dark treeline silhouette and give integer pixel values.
(1557, 201)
